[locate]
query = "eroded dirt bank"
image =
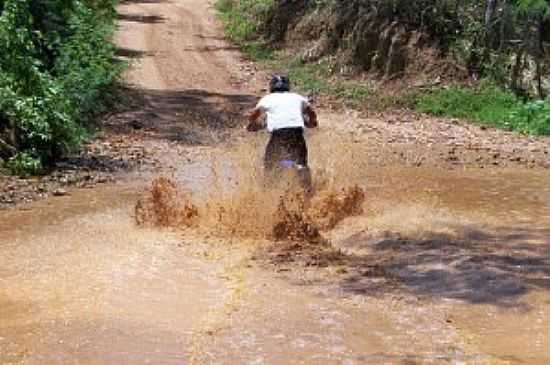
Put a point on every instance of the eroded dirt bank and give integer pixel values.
(448, 263)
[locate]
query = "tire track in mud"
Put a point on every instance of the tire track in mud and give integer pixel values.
(218, 319)
(182, 43)
(184, 51)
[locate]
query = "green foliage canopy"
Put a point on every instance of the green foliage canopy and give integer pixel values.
(56, 66)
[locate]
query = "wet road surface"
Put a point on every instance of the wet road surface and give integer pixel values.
(467, 255)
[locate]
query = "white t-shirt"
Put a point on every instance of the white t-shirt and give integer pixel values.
(283, 110)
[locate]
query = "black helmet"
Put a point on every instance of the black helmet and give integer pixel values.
(279, 83)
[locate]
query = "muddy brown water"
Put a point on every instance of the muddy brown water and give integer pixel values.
(79, 283)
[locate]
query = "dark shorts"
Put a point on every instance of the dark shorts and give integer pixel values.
(286, 144)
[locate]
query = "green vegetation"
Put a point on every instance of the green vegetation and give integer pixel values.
(488, 105)
(318, 79)
(57, 69)
(505, 41)
(258, 51)
(242, 20)
(493, 39)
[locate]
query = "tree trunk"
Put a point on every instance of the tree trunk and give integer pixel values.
(539, 56)
(489, 15)
(516, 70)
(483, 43)
(6, 149)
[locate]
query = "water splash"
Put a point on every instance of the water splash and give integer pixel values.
(165, 205)
(251, 211)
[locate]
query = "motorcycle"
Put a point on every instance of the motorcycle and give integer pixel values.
(286, 155)
(290, 174)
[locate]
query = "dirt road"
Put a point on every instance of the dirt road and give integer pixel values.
(443, 267)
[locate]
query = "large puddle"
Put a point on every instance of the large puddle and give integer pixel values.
(58, 257)
(477, 240)
(508, 197)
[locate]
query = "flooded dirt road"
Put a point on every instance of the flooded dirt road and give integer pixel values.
(443, 267)
(80, 283)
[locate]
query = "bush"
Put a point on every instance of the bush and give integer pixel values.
(242, 18)
(56, 65)
(530, 118)
(488, 105)
(85, 64)
(24, 164)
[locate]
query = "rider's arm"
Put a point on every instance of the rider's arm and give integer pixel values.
(253, 124)
(311, 120)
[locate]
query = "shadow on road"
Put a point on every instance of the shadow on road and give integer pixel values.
(476, 266)
(216, 38)
(131, 53)
(213, 49)
(126, 2)
(148, 19)
(190, 116)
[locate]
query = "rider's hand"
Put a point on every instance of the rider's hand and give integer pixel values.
(253, 127)
(311, 118)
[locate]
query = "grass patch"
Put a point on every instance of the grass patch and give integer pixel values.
(241, 18)
(488, 105)
(317, 78)
(258, 51)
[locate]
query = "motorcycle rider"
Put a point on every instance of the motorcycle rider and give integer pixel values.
(287, 114)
